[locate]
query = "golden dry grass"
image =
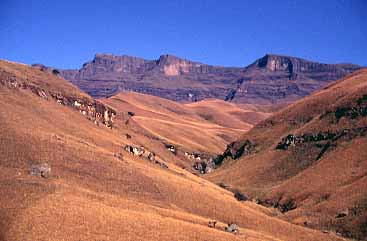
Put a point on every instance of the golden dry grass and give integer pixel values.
(206, 126)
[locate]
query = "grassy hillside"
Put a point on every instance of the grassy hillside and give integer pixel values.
(309, 160)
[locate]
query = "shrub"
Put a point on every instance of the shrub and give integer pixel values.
(55, 71)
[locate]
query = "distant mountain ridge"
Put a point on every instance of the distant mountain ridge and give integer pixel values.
(270, 79)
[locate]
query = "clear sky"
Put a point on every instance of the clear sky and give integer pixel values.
(67, 33)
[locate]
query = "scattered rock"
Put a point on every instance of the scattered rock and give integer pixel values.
(41, 170)
(128, 136)
(130, 113)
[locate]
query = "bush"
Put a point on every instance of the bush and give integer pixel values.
(55, 71)
(239, 196)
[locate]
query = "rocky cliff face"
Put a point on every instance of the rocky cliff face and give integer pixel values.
(270, 79)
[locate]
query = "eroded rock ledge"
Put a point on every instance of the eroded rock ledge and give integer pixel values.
(295, 140)
(92, 109)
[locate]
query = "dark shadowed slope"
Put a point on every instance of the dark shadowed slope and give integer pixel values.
(309, 160)
(270, 79)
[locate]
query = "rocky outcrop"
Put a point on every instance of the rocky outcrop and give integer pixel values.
(204, 166)
(235, 150)
(203, 163)
(270, 79)
(92, 109)
(316, 145)
(294, 140)
(137, 151)
(140, 152)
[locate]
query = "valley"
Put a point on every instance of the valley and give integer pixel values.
(92, 187)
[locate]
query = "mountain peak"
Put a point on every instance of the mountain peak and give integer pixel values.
(170, 59)
(172, 65)
(275, 62)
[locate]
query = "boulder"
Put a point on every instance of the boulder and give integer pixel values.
(212, 223)
(151, 156)
(342, 214)
(232, 228)
(138, 151)
(41, 170)
(171, 148)
(129, 148)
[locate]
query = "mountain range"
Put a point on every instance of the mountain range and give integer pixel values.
(269, 80)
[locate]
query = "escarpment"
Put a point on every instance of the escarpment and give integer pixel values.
(270, 79)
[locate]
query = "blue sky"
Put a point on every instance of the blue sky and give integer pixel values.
(66, 34)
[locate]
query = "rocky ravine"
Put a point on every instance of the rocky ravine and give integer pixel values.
(270, 79)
